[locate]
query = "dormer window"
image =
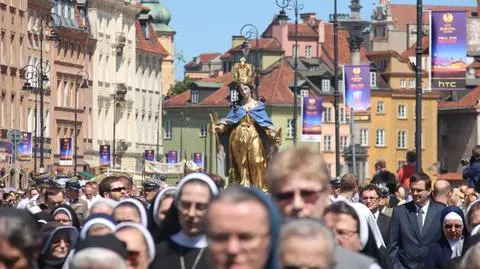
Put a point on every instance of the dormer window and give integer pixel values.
(195, 97)
(144, 20)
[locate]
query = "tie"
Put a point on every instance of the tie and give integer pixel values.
(420, 220)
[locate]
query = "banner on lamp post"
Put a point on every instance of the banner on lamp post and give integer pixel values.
(448, 50)
(24, 148)
(198, 159)
(172, 156)
(104, 155)
(312, 108)
(66, 154)
(357, 92)
(149, 155)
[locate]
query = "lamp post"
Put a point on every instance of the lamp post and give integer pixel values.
(31, 73)
(84, 85)
(47, 18)
(183, 117)
(418, 87)
(249, 31)
(292, 4)
(336, 94)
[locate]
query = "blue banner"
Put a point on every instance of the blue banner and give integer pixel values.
(104, 155)
(172, 156)
(448, 53)
(149, 155)
(25, 147)
(66, 154)
(357, 87)
(198, 159)
(312, 108)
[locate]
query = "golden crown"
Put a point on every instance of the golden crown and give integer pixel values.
(448, 17)
(356, 71)
(243, 72)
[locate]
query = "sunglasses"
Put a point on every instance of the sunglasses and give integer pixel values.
(456, 226)
(308, 196)
(119, 189)
(298, 267)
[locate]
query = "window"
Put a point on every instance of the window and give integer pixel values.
(325, 85)
(364, 137)
(340, 86)
(412, 84)
(308, 52)
(343, 142)
(203, 130)
(380, 141)
(304, 93)
(290, 128)
(47, 123)
(380, 107)
(342, 115)
(234, 96)
(403, 83)
(373, 79)
(168, 129)
(327, 143)
(294, 51)
(402, 139)
(402, 112)
(383, 64)
(195, 97)
(327, 114)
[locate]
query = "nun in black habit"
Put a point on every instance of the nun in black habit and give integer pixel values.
(182, 239)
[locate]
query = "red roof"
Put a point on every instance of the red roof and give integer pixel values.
(203, 58)
(274, 87)
(343, 45)
(412, 51)
(304, 30)
(406, 14)
(151, 45)
(468, 101)
(268, 44)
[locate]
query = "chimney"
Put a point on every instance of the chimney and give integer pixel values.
(237, 40)
(309, 18)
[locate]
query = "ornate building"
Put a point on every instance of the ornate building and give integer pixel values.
(160, 18)
(113, 26)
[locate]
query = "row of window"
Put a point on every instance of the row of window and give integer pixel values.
(380, 138)
(402, 110)
(168, 134)
(308, 51)
(411, 84)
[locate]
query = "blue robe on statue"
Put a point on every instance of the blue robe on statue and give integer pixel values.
(257, 113)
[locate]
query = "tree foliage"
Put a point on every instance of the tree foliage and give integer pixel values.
(180, 86)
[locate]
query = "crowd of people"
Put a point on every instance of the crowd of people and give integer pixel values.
(305, 220)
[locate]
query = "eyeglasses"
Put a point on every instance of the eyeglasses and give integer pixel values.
(308, 196)
(119, 189)
(456, 226)
(344, 233)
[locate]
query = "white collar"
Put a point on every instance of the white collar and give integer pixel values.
(425, 207)
(376, 214)
(198, 241)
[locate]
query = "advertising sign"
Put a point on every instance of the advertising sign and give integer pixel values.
(357, 87)
(66, 154)
(104, 155)
(312, 108)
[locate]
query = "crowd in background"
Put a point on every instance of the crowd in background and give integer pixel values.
(305, 220)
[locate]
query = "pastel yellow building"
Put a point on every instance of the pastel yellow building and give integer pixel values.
(389, 130)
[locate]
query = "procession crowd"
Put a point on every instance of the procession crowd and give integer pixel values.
(305, 220)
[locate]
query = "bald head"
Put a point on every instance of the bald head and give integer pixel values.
(442, 191)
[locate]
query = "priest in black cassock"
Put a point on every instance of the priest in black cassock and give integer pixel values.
(182, 239)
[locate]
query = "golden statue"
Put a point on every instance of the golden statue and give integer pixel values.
(252, 138)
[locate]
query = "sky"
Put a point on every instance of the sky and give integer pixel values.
(208, 25)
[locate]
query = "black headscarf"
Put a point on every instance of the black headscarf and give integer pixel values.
(109, 241)
(67, 209)
(50, 232)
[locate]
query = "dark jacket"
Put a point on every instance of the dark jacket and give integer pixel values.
(472, 174)
(383, 222)
(408, 247)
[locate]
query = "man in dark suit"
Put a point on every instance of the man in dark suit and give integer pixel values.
(370, 196)
(415, 226)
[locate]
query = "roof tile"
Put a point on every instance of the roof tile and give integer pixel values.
(468, 101)
(152, 45)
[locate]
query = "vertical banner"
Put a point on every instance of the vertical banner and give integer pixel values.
(357, 87)
(66, 155)
(312, 108)
(25, 147)
(448, 51)
(149, 155)
(198, 159)
(104, 155)
(172, 156)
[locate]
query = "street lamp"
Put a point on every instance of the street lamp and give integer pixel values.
(418, 87)
(248, 31)
(118, 96)
(292, 4)
(336, 94)
(48, 18)
(83, 84)
(32, 76)
(183, 117)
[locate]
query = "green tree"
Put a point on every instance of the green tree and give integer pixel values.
(181, 86)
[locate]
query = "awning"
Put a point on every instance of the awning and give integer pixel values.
(86, 175)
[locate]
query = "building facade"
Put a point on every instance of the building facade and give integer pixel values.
(204, 65)
(113, 85)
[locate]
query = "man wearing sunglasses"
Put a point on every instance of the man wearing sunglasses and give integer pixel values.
(112, 188)
(298, 181)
